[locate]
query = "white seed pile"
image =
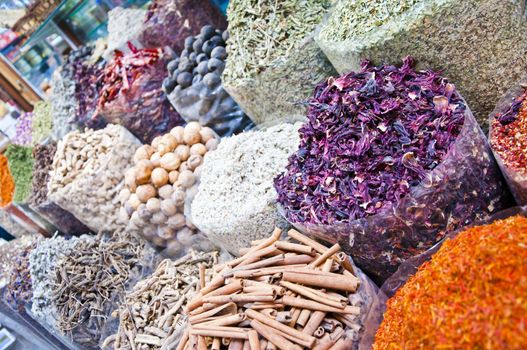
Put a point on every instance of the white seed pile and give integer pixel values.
(236, 200)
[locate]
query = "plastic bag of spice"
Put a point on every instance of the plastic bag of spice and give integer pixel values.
(194, 84)
(471, 250)
(388, 165)
(137, 102)
(88, 173)
(169, 22)
(508, 140)
(64, 221)
(172, 283)
(455, 37)
(273, 60)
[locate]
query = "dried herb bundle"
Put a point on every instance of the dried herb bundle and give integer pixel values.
(284, 294)
(21, 165)
(87, 279)
(152, 312)
(471, 295)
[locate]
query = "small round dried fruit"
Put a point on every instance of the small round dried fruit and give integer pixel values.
(143, 170)
(145, 192)
(159, 177)
(170, 161)
(166, 191)
(143, 152)
(198, 149)
(182, 152)
(207, 134)
(191, 133)
(186, 179)
(173, 176)
(154, 205)
(168, 207)
(177, 132)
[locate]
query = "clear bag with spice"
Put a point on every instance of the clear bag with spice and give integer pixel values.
(409, 268)
(138, 102)
(173, 283)
(508, 135)
(81, 317)
(64, 221)
(466, 186)
(88, 189)
(271, 77)
(169, 22)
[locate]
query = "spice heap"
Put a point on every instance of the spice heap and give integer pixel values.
(373, 138)
(194, 84)
(9, 252)
(508, 139)
(446, 35)
(471, 295)
(63, 102)
(19, 290)
(7, 184)
(42, 122)
(23, 130)
(87, 76)
(42, 263)
(132, 95)
(236, 201)
(169, 22)
(165, 177)
(124, 25)
(352, 18)
(273, 61)
(21, 165)
(89, 277)
(87, 175)
(39, 201)
(151, 313)
(279, 294)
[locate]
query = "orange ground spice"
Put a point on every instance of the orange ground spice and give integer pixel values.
(472, 294)
(7, 184)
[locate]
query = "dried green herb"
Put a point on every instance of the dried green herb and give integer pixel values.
(42, 122)
(20, 160)
(354, 17)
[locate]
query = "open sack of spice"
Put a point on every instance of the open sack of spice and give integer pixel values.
(467, 292)
(236, 201)
(273, 61)
(194, 84)
(161, 182)
(169, 22)
(7, 190)
(88, 173)
(63, 220)
(151, 314)
(508, 140)
(77, 281)
(455, 37)
(390, 160)
(23, 130)
(42, 124)
(132, 94)
(290, 293)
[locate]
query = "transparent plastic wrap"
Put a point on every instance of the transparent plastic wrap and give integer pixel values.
(138, 103)
(466, 186)
(169, 22)
(505, 140)
(269, 77)
(194, 84)
(88, 174)
(409, 268)
(64, 221)
(173, 284)
(455, 37)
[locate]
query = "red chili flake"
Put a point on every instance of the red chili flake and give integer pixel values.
(509, 135)
(470, 295)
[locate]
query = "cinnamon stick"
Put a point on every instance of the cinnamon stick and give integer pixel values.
(303, 317)
(202, 344)
(327, 280)
(294, 247)
(202, 280)
(273, 337)
(222, 332)
(327, 254)
(240, 298)
(225, 320)
(254, 342)
(216, 344)
(183, 340)
(307, 241)
(309, 293)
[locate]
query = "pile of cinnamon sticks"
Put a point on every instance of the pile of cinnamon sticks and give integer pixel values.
(290, 294)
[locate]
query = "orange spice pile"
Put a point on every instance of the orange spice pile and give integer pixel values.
(472, 294)
(7, 184)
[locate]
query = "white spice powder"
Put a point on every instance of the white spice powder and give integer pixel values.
(236, 200)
